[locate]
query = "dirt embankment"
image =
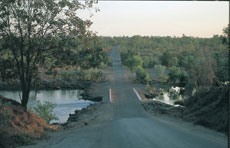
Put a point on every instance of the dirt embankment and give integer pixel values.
(18, 126)
(209, 109)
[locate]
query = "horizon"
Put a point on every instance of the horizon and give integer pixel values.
(155, 18)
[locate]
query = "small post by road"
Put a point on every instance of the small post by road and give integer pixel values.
(137, 94)
(110, 96)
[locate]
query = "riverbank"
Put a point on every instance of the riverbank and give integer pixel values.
(80, 118)
(54, 84)
(93, 115)
(208, 109)
(26, 128)
(19, 126)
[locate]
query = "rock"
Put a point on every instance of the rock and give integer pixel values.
(73, 117)
(150, 96)
(97, 99)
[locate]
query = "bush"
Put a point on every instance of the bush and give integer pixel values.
(148, 62)
(145, 63)
(161, 74)
(174, 74)
(97, 75)
(82, 75)
(142, 76)
(134, 62)
(109, 62)
(45, 111)
(4, 113)
(103, 65)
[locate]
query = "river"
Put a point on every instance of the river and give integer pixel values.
(67, 101)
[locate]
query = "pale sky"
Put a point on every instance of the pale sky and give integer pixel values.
(154, 18)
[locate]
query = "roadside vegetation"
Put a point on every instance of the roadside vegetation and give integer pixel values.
(193, 63)
(199, 67)
(48, 37)
(44, 44)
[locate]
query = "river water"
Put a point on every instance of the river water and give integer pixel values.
(67, 101)
(165, 97)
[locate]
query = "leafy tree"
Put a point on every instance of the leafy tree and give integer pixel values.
(146, 62)
(168, 60)
(32, 29)
(202, 72)
(225, 37)
(174, 74)
(178, 76)
(141, 75)
(92, 58)
(134, 62)
(125, 54)
(184, 78)
(222, 58)
(161, 72)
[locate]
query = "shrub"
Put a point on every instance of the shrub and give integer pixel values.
(4, 113)
(134, 62)
(146, 61)
(103, 65)
(45, 111)
(78, 74)
(174, 74)
(161, 74)
(149, 62)
(85, 75)
(96, 75)
(142, 76)
(109, 62)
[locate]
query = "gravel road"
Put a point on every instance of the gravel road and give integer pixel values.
(127, 125)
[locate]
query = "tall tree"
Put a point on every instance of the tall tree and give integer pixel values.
(202, 71)
(31, 29)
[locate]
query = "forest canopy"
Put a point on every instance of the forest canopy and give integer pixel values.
(186, 61)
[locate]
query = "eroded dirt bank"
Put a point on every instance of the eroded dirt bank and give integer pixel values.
(209, 109)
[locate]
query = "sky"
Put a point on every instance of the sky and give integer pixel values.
(155, 18)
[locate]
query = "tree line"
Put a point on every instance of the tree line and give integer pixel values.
(189, 62)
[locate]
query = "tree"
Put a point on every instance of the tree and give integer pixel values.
(134, 62)
(222, 57)
(202, 72)
(32, 29)
(160, 72)
(226, 36)
(141, 75)
(168, 60)
(174, 74)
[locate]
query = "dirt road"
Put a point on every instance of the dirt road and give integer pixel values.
(127, 125)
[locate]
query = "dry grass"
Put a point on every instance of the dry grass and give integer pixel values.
(19, 122)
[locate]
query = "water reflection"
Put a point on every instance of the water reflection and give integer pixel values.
(67, 100)
(168, 96)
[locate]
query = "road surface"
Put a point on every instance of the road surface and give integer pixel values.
(131, 127)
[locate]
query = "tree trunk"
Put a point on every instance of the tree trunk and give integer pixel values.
(25, 93)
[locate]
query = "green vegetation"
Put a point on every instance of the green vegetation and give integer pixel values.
(133, 61)
(45, 111)
(161, 73)
(82, 75)
(46, 35)
(181, 61)
(4, 115)
(141, 75)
